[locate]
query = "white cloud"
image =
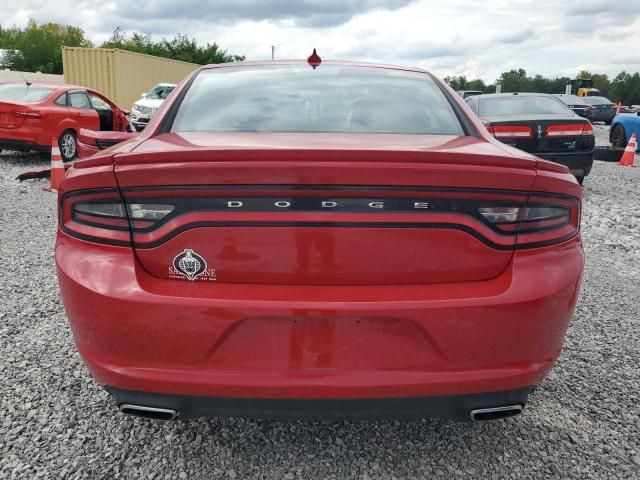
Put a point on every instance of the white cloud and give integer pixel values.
(457, 37)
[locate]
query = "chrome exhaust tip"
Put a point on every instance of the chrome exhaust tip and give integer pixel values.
(153, 413)
(495, 413)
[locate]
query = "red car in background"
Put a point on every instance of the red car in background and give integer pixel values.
(322, 239)
(33, 114)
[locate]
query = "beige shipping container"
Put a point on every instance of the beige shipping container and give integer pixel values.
(120, 75)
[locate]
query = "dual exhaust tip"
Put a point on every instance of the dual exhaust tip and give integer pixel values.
(166, 414)
(153, 413)
(495, 413)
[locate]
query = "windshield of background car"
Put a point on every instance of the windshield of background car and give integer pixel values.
(19, 92)
(522, 105)
(597, 100)
(329, 99)
(159, 92)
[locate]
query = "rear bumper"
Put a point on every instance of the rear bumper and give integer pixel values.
(603, 116)
(138, 333)
(452, 406)
(579, 163)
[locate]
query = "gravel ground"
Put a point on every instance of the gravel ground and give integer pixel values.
(583, 423)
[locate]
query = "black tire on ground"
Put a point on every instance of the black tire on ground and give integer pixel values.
(618, 137)
(68, 145)
(608, 154)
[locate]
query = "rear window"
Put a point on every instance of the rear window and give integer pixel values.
(521, 105)
(570, 100)
(597, 100)
(329, 99)
(21, 92)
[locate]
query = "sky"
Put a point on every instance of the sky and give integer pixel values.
(479, 39)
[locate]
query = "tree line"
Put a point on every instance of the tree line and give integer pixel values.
(624, 87)
(38, 48)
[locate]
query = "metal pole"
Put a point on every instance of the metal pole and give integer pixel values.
(273, 52)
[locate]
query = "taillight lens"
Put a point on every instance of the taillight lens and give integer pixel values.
(26, 114)
(544, 221)
(100, 216)
(587, 130)
(504, 220)
(149, 211)
(510, 131)
(570, 130)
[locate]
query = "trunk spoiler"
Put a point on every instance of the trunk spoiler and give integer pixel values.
(100, 140)
(89, 142)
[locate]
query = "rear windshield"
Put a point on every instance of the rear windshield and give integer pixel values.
(521, 105)
(597, 100)
(570, 99)
(21, 92)
(329, 99)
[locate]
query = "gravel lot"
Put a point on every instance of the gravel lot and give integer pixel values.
(583, 423)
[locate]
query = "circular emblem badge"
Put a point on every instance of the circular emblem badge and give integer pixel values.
(189, 264)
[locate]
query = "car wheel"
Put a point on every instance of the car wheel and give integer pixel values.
(68, 146)
(618, 137)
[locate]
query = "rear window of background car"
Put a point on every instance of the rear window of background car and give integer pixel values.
(521, 105)
(597, 100)
(571, 100)
(329, 99)
(23, 93)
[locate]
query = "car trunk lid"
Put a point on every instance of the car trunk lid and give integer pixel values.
(13, 114)
(321, 209)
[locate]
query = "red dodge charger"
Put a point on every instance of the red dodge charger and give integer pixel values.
(318, 240)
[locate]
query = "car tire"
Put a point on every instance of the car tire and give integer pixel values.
(618, 137)
(68, 145)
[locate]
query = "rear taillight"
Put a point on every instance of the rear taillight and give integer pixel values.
(502, 219)
(510, 131)
(544, 221)
(100, 216)
(570, 130)
(26, 114)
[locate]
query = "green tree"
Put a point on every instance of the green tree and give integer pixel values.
(38, 48)
(180, 47)
(515, 81)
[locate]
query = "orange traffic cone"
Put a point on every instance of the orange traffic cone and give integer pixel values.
(57, 166)
(629, 155)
